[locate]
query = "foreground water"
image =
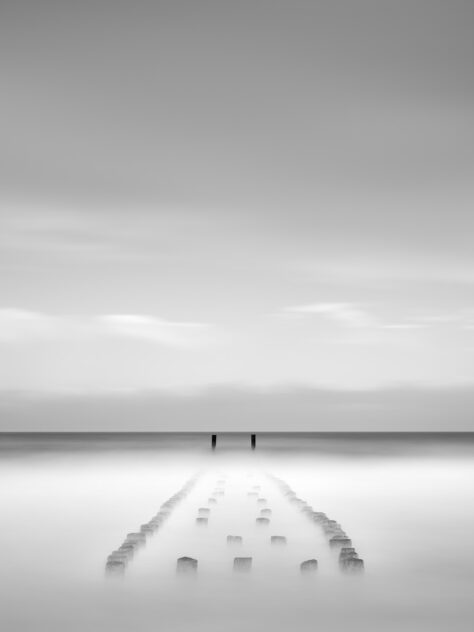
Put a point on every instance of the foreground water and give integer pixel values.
(406, 502)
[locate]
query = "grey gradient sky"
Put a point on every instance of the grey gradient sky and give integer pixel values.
(260, 193)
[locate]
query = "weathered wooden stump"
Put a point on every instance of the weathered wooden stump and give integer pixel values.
(202, 522)
(339, 541)
(242, 564)
(158, 520)
(263, 521)
(347, 555)
(234, 539)
(346, 549)
(118, 556)
(136, 538)
(128, 548)
(186, 565)
(115, 567)
(279, 540)
(352, 565)
(309, 566)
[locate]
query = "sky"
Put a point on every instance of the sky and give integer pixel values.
(262, 195)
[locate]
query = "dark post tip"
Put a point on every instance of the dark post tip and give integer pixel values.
(213, 441)
(253, 441)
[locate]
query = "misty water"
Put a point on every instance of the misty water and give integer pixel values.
(405, 501)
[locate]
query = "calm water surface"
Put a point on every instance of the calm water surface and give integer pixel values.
(67, 501)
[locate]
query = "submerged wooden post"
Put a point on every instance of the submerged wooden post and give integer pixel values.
(253, 441)
(186, 565)
(213, 441)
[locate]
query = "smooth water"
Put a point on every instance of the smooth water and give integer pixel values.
(406, 501)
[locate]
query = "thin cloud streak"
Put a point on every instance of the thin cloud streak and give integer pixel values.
(155, 330)
(353, 316)
(346, 314)
(21, 326)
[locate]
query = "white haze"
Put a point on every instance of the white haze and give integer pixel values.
(406, 504)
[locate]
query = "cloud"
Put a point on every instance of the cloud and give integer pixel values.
(403, 326)
(363, 323)
(20, 326)
(346, 314)
(154, 329)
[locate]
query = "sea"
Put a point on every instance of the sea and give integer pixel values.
(94, 528)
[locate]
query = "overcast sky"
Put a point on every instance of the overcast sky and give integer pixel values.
(259, 193)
